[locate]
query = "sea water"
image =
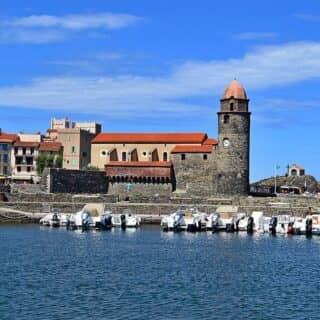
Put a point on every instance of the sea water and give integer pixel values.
(148, 274)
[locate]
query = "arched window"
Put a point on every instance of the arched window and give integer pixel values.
(226, 118)
(231, 106)
(124, 156)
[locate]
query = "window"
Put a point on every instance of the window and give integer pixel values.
(165, 156)
(24, 150)
(5, 170)
(4, 147)
(205, 157)
(124, 156)
(231, 106)
(74, 162)
(226, 118)
(19, 169)
(31, 150)
(73, 149)
(28, 169)
(103, 153)
(183, 157)
(5, 158)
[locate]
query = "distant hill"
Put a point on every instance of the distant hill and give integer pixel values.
(312, 184)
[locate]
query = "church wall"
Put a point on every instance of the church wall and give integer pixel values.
(194, 174)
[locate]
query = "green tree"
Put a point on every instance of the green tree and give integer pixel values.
(58, 161)
(46, 160)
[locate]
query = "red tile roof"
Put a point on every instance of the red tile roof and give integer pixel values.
(50, 146)
(192, 149)
(27, 144)
(8, 137)
(211, 142)
(150, 138)
(139, 164)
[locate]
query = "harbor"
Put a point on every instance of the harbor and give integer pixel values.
(147, 273)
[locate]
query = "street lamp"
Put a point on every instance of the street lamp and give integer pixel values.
(277, 167)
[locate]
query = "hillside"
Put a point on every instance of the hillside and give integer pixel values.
(311, 183)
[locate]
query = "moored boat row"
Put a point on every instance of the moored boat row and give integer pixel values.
(232, 221)
(87, 219)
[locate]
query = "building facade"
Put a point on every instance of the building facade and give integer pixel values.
(75, 141)
(6, 145)
(191, 162)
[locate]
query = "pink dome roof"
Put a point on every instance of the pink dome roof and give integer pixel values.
(235, 90)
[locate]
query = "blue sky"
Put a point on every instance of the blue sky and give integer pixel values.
(143, 66)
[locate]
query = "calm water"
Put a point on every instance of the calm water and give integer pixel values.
(147, 274)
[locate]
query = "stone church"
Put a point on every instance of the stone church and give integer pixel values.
(190, 163)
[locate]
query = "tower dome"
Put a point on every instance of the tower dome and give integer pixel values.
(234, 90)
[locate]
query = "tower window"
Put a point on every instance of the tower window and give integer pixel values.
(165, 156)
(226, 119)
(205, 157)
(231, 106)
(183, 157)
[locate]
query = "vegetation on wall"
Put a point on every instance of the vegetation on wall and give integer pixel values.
(46, 160)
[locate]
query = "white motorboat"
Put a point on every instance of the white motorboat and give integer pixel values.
(258, 221)
(173, 222)
(194, 220)
(299, 225)
(315, 223)
(245, 223)
(83, 220)
(282, 224)
(51, 220)
(222, 222)
(126, 220)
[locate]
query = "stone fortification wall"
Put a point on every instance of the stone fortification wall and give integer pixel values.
(76, 181)
(194, 175)
(270, 206)
(141, 192)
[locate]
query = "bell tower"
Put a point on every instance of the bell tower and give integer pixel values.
(233, 151)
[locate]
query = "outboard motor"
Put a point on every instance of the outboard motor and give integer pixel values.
(230, 227)
(290, 228)
(55, 220)
(123, 221)
(106, 222)
(215, 223)
(273, 224)
(250, 225)
(68, 224)
(309, 227)
(85, 221)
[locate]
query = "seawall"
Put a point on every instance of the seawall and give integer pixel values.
(152, 211)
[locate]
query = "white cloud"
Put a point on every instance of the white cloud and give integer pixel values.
(255, 35)
(104, 20)
(132, 95)
(45, 28)
(30, 36)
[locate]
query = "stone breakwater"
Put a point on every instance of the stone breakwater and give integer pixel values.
(151, 211)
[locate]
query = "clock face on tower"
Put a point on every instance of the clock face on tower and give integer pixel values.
(226, 142)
